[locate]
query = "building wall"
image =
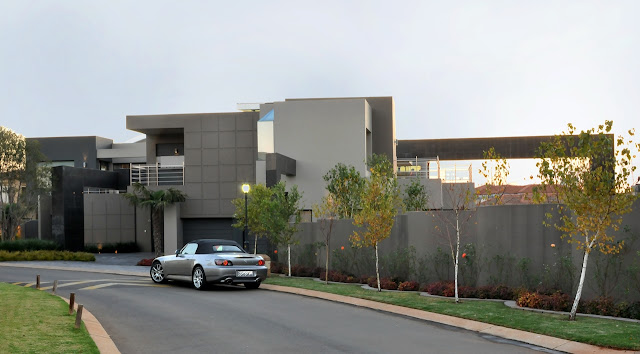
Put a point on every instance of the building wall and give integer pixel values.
(220, 155)
(318, 134)
(108, 218)
(77, 148)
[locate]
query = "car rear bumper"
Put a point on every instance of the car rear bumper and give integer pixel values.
(228, 275)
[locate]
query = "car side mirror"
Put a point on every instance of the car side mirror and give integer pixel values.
(177, 252)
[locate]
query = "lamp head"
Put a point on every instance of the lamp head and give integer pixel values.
(246, 188)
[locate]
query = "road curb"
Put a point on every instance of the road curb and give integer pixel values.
(99, 335)
(539, 340)
(78, 269)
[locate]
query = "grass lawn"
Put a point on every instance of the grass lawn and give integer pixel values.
(34, 321)
(601, 332)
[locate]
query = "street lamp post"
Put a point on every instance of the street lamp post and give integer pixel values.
(245, 190)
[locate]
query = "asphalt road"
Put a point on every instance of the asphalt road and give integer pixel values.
(144, 318)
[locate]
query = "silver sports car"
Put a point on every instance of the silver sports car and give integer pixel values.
(209, 262)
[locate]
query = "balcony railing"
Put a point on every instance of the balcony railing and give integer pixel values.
(434, 169)
(157, 175)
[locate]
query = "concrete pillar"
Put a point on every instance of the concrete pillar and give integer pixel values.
(172, 229)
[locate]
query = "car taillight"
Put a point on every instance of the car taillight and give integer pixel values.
(223, 262)
(261, 262)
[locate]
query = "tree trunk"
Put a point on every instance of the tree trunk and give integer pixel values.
(377, 268)
(156, 216)
(255, 244)
(326, 263)
(289, 257)
(457, 257)
(574, 308)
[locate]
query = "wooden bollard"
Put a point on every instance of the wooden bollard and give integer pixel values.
(38, 281)
(55, 286)
(79, 316)
(72, 300)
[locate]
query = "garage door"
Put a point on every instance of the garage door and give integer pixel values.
(193, 229)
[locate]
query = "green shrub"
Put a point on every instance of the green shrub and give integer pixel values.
(121, 247)
(29, 245)
(46, 256)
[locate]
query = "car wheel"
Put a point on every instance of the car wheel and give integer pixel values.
(252, 285)
(198, 278)
(157, 273)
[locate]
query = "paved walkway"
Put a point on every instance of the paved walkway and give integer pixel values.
(124, 264)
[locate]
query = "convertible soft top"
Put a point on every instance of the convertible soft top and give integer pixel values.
(209, 242)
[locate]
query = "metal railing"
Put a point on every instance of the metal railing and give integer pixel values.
(433, 168)
(157, 175)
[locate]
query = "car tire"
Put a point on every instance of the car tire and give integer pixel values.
(198, 279)
(252, 285)
(157, 273)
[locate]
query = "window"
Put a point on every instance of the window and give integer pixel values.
(189, 248)
(225, 248)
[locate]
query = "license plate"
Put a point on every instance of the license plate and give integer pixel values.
(245, 273)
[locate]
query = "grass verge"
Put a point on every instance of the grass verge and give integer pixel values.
(33, 321)
(595, 331)
(46, 256)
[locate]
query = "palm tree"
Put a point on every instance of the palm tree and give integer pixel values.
(156, 201)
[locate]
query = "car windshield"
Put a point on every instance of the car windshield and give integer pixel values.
(226, 248)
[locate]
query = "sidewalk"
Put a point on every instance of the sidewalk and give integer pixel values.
(124, 264)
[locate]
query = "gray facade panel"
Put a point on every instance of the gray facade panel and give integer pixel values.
(194, 190)
(193, 140)
(211, 206)
(210, 140)
(113, 221)
(245, 122)
(210, 157)
(193, 124)
(227, 123)
(192, 174)
(210, 124)
(227, 156)
(210, 173)
(246, 173)
(245, 156)
(245, 139)
(230, 190)
(193, 157)
(226, 207)
(227, 139)
(211, 191)
(227, 174)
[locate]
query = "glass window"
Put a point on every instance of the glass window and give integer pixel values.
(225, 248)
(189, 248)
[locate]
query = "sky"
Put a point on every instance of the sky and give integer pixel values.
(456, 69)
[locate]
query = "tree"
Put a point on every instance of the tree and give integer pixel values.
(326, 213)
(416, 197)
(380, 201)
(452, 224)
(283, 216)
(345, 185)
(589, 173)
(495, 170)
(257, 203)
(156, 201)
(22, 179)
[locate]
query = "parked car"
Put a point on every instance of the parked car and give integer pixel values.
(210, 261)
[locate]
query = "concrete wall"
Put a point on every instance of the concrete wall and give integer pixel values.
(78, 148)
(318, 134)
(509, 233)
(108, 218)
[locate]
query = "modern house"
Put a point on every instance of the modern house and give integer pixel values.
(210, 155)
